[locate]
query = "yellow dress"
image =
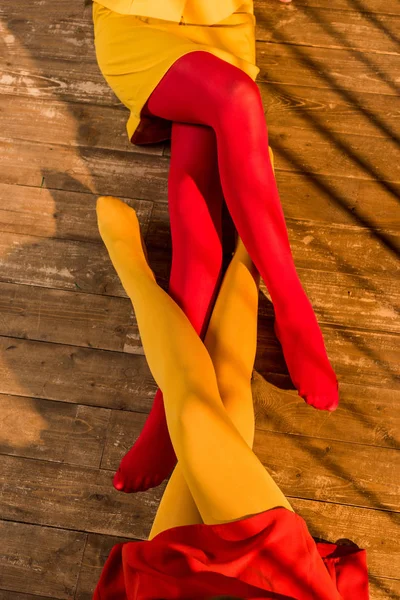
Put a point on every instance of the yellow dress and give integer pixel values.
(134, 51)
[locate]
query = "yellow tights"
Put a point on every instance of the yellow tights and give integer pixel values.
(206, 386)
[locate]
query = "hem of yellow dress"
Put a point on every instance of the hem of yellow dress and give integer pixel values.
(145, 91)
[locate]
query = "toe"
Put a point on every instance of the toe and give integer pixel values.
(329, 403)
(118, 482)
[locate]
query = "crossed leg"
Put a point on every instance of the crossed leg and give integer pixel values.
(225, 485)
(201, 88)
(231, 342)
(195, 205)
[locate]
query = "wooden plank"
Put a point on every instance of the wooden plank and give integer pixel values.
(57, 79)
(63, 264)
(76, 375)
(382, 588)
(72, 9)
(73, 497)
(337, 200)
(345, 71)
(330, 109)
(54, 431)
(89, 170)
(57, 213)
(295, 24)
(8, 595)
(39, 560)
(335, 521)
(349, 301)
(88, 320)
(52, 121)
(342, 153)
(365, 415)
(302, 466)
(312, 468)
(65, 37)
(326, 27)
(371, 6)
(97, 550)
(357, 357)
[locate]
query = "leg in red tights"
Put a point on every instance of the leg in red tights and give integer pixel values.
(195, 204)
(202, 88)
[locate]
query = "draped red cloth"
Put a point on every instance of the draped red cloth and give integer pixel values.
(268, 555)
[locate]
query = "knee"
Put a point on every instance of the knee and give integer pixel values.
(243, 98)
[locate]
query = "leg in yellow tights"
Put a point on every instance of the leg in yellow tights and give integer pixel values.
(225, 478)
(231, 343)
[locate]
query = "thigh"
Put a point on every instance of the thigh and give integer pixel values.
(202, 88)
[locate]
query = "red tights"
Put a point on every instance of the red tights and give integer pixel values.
(219, 151)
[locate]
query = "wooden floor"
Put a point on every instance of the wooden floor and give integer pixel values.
(74, 383)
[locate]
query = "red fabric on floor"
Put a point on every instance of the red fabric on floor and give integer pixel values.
(269, 555)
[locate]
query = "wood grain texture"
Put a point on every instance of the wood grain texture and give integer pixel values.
(332, 522)
(342, 70)
(73, 8)
(358, 357)
(382, 588)
(311, 468)
(89, 320)
(7, 595)
(65, 496)
(74, 374)
(96, 552)
(42, 561)
(52, 431)
(54, 122)
(366, 415)
(367, 6)
(326, 27)
(57, 213)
